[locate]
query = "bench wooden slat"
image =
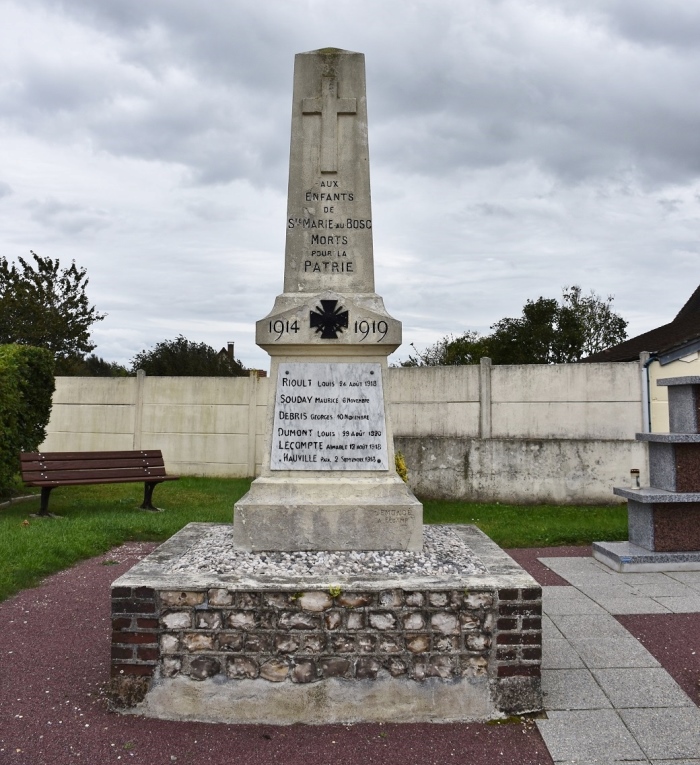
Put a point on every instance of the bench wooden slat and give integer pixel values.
(61, 456)
(87, 482)
(137, 473)
(36, 465)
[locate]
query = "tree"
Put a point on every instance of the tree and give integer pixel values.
(92, 366)
(468, 348)
(26, 388)
(603, 327)
(43, 305)
(180, 357)
(547, 332)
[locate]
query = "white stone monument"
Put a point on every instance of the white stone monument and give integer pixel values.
(222, 624)
(328, 480)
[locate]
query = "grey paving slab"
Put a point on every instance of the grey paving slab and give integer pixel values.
(603, 760)
(680, 605)
(641, 687)
(588, 625)
(571, 601)
(633, 605)
(572, 689)
(578, 570)
(549, 629)
(691, 578)
(642, 577)
(676, 762)
(613, 652)
(668, 588)
(611, 590)
(559, 654)
(665, 733)
(588, 734)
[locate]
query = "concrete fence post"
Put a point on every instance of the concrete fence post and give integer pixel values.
(485, 397)
(252, 420)
(138, 408)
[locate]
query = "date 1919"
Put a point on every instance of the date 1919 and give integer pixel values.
(367, 328)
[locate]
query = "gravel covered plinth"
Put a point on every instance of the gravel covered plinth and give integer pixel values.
(444, 552)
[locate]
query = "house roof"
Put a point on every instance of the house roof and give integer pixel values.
(684, 329)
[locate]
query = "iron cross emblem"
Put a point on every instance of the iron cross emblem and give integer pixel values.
(329, 320)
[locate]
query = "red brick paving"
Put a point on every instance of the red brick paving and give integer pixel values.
(527, 558)
(674, 641)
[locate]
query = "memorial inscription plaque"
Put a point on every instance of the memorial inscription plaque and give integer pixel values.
(329, 417)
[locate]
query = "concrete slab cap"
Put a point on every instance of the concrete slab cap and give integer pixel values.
(641, 687)
(572, 689)
(581, 735)
(558, 654)
(613, 652)
(665, 733)
(625, 557)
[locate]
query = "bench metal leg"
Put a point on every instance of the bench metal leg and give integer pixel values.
(148, 495)
(45, 493)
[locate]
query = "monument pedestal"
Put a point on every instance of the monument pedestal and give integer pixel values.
(209, 633)
(328, 513)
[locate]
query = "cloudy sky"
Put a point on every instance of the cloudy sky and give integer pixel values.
(517, 146)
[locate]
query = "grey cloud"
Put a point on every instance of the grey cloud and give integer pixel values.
(66, 217)
(5, 189)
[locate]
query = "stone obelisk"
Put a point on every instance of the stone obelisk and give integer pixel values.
(328, 480)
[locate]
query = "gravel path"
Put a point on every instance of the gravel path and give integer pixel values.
(54, 661)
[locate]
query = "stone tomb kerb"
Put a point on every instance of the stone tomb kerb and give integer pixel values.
(328, 479)
(327, 601)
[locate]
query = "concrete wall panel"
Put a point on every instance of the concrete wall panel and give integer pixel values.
(434, 419)
(566, 419)
(521, 471)
(430, 384)
(566, 382)
(110, 391)
(195, 390)
(195, 418)
(91, 418)
(194, 447)
(87, 442)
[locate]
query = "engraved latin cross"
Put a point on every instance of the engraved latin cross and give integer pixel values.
(329, 106)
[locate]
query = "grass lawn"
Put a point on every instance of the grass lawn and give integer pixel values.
(96, 518)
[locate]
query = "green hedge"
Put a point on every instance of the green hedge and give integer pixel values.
(26, 387)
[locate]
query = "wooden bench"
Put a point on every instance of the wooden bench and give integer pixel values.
(51, 469)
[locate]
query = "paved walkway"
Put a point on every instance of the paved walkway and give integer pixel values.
(607, 698)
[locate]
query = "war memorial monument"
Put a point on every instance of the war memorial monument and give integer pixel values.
(327, 600)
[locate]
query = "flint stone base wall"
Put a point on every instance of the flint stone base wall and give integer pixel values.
(340, 653)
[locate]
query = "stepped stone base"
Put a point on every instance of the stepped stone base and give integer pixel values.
(238, 647)
(322, 513)
(627, 557)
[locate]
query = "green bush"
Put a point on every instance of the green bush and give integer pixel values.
(26, 387)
